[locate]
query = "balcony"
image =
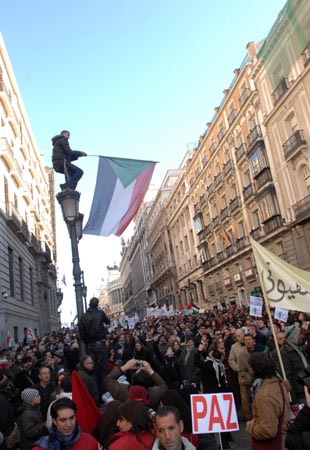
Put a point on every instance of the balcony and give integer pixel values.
(196, 208)
(203, 199)
(232, 116)
(227, 167)
(224, 213)
(46, 250)
(306, 55)
(221, 134)
(212, 148)
(230, 250)
(244, 96)
(213, 261)
(34, 245)
(234, 204)
(256, 233)
(7, 153)
(218, 179)
(23, 232)
(254, 135)
(5, 96)
(204, 160)
(210, 190)
(240, 151)
(248, 192)
(293, 144)
(272, 223)
(280, 90)
(263, 178)
(13, 217)
(216, 221)
(302, 209)
(220, 256)
(209, 229)
(241, 243)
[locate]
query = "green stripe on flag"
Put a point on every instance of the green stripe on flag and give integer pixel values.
(127, 170)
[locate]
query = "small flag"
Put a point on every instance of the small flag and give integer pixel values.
(30, 335)
(10, 340)
(120, 188)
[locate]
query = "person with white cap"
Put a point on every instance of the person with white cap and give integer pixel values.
(29, 419)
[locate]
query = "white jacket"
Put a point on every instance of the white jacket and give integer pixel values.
(187, 445)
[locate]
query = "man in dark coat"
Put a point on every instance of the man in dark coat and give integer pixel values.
(93, 332)
(62, 160)
(6, 411)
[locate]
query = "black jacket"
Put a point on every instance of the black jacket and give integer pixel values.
(62, 151)
(31, 426)
(91, 325)
(298, 433)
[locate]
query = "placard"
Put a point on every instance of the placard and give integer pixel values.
(213, 413)
(281, 314)
(256, 306)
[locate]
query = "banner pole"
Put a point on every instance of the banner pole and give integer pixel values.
(265, 298)
(220, 441)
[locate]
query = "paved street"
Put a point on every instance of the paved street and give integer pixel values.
(241, 440)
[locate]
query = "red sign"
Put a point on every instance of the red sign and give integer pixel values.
(214, 413)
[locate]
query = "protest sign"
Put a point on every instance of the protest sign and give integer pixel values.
(256, 306)
(281, 314)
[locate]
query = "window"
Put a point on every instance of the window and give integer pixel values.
(21, 278)
(31, 284)
(11, 271)
(15, 333)
(258, 160)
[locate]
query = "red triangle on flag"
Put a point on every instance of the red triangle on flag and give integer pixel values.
(88, 414)
(181, 307)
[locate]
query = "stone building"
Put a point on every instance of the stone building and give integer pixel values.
(27, 220)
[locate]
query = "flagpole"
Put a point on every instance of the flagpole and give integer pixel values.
(265, 298)
(128, 159)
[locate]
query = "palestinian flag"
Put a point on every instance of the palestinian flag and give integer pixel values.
(120, 188)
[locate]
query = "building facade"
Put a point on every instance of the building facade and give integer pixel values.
(247, 177)
(27, 221)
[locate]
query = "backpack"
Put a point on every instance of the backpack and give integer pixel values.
(91, 327)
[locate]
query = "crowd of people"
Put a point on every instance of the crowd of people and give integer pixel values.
(141, 380)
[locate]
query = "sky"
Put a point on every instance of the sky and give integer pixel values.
(128, 78)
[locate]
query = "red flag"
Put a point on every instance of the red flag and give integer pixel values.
(189, 306)
(88, 414)
(181, 307)
(9, 340)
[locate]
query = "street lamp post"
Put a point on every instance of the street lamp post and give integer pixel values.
(69, 203)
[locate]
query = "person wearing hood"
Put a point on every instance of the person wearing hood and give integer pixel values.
(30, 420)
(93, 332)
(62, 160)
(86, 372)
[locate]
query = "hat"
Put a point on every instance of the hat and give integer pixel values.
(139, 393)
(28, 395)
(59, 353)
(3, 380)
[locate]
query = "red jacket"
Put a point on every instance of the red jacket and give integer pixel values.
(129, 441)
(86, 442)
